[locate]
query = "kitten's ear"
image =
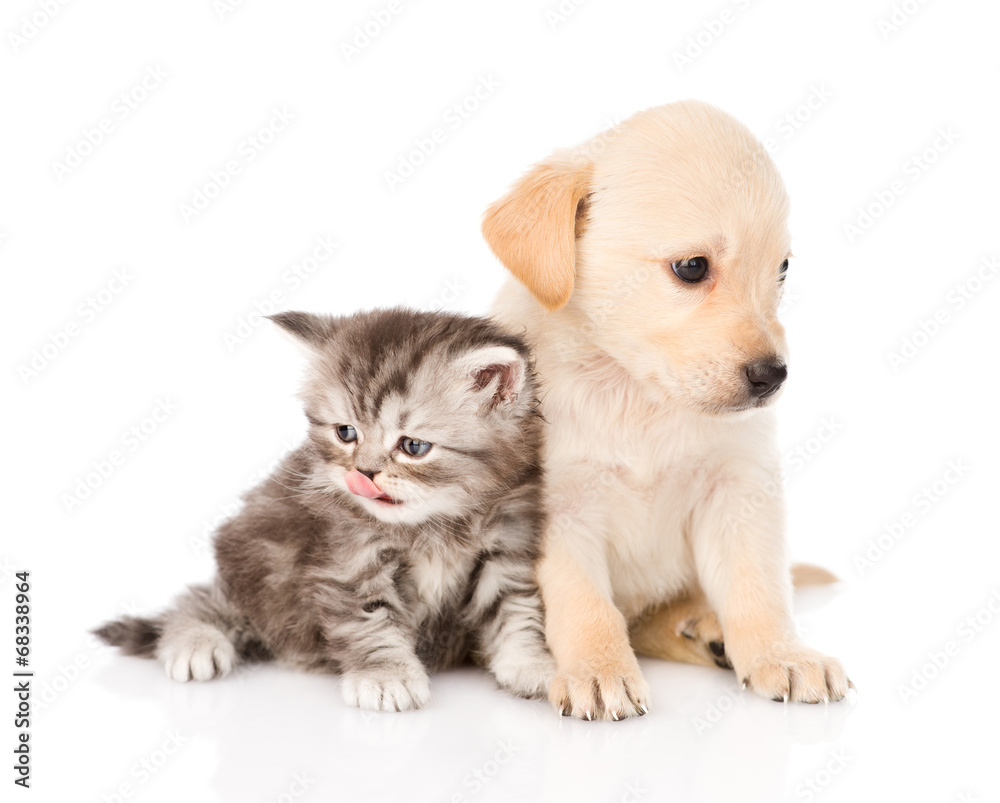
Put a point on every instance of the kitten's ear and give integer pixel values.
(498, 374)
(312, 330)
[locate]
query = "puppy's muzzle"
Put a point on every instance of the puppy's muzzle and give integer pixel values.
(765, 377)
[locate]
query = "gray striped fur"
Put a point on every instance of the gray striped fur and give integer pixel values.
(323, 580)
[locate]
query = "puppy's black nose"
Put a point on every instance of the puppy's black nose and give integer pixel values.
(765, 377)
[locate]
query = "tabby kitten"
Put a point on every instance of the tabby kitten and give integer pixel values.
(400, 538)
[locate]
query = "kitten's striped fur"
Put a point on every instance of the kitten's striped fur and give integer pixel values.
(320, 578)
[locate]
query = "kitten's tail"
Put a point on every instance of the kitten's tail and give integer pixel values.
(202, 636)
(133, 635)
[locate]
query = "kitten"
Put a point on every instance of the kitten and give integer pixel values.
(400, 538)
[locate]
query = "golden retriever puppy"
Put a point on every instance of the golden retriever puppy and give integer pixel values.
(648, 266)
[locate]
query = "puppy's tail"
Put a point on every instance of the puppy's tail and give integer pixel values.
(804, 574)
(133, 635)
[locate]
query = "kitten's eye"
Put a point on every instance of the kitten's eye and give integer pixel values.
(691, 270)
(347, 433)
(415, 448)
(782, 271)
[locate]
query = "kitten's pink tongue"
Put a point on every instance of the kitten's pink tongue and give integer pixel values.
(359, 485)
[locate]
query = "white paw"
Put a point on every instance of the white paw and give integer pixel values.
(795, 674)
(528, 677)
(387, 690)
(198, 655)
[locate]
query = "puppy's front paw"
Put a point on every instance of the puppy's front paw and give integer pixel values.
(797, 674)
(197, 654)
(387, 690)
(606, 692)
(528, 676)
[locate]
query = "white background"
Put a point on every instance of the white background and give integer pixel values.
(864, 436)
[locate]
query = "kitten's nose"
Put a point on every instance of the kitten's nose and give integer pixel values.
(765, 377)
(369, 474)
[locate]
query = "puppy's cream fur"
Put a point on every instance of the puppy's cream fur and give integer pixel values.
(655, 443)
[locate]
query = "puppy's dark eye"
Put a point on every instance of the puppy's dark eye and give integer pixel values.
(347, 433)
(415, 448)
(691, 270)
(782, 271)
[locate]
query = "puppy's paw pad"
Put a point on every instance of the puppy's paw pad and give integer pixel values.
(798, 675)
(386, 691)
(610, 693)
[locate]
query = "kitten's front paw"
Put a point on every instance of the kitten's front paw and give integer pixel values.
(611, 692)
(528, 677)
(387, 690)
(197, 654)
(795, 673)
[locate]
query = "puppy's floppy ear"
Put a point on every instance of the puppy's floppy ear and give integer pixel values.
(494, 374)
(533, 228)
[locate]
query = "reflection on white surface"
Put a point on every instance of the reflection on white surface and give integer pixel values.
(270, 734)
(271, 731)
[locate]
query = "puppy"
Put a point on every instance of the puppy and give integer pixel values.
(647, 270)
